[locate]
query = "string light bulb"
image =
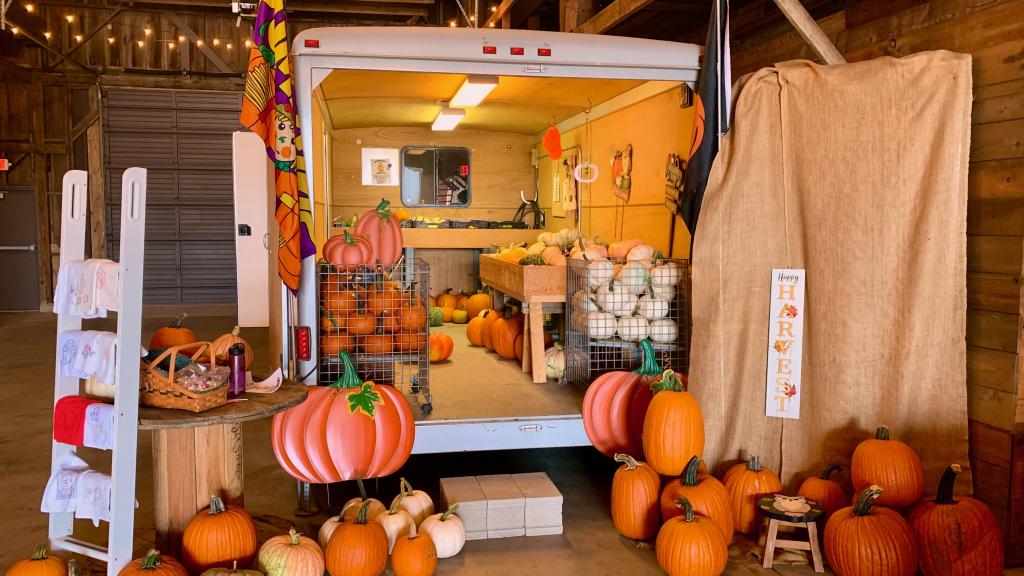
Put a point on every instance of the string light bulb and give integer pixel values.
(248, 43)
(47, 35)
(78, 38)
(494, 8)
(199, 42)
(216, 41)
(170, 45)
(110, 39)
(472, 18)
(30, 7)
(70, 18)
(451, 23)
(147, 31)
(228, 46)
(140, 44)
(490, 24)
(15, 30)
(181, 38)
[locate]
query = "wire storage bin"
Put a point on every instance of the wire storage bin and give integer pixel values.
(613, 305)
(379, 315)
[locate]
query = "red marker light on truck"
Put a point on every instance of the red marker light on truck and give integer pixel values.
(303, 343)
(312, 43)
(543, 51)
(490, 49)
(517, 51)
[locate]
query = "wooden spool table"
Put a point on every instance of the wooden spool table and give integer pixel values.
(196, 455)
(807, 520)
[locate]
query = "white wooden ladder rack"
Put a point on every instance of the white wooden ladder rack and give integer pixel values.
(73, 236)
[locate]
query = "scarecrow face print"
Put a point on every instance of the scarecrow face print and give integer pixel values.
(284, 138)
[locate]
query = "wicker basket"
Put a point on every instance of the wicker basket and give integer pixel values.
(157, 387)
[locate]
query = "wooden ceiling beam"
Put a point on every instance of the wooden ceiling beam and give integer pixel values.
(810, 31)
(326, 7)
(495, 18)
(612, 16)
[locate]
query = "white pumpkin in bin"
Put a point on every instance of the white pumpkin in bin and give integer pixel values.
(667, 274)
(642, 252)
(652, 308)
(616, 299)
(663, 330)
(447, 531)
(633, 277)
(416, 502)
(600, 325)
(632, 328)
(599, 273)
(667, 293)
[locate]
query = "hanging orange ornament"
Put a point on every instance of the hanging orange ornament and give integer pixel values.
(553, 142)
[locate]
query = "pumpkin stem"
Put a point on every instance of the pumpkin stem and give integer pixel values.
(829, 470)
(73, 569)
(866, 499)
(396, 504)
(236, 330)
(349, 239)
(754, 464)
(177, 322)
(449, 512)
(649, 362)
(40, 553)
(361, 516)
(882, 433)
(383, 209)
(691, 471)
(362, 489)
(629, 461)
(216, 505)
(669, 381)
(349, 378)
(294, 536)
(944, 494)
(403, 485)
(151, 560)
(683, 503)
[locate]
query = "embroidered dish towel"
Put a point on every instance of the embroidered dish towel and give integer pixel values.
(60, 493)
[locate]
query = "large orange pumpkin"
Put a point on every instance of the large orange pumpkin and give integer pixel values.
(825, 491)
(490, 318)
(348, 250)
(291, 554)
(707, 495)
(447, 300)
(504, 331)
(615, 405)
(635, 488)
(475, 331)
(39, 564)
(890, 464)
(691, 545)
(383, 232)
(441, 346)
(673, 427)
(362, 324)
(956, 536)
(414, 555)
(357, 548)
(174, 334)
(747, 483)
(477, 303)
(153, 564)
(865, 541)
(218, 537)
(348, 430)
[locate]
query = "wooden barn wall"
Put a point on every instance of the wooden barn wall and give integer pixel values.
(992, 31)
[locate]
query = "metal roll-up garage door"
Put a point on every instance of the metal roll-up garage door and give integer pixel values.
(183, 137)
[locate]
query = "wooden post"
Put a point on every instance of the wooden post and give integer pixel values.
(40, 172)
(810, 31)
(97, 180)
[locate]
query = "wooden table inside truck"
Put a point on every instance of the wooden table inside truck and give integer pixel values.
(198, 455)
(534, 286)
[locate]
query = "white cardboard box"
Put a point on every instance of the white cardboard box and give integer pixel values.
(543, 503)
(506, 507)
(465, 491)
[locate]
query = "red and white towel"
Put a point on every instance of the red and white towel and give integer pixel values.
(82, 421)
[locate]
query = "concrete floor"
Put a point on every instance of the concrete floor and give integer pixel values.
(589, 545)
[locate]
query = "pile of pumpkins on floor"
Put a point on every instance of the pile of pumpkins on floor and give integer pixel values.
(221, 541)
(890, 529)
(456, 308)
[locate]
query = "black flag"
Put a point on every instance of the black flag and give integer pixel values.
(712, 120)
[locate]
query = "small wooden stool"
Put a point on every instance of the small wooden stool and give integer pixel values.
(807, 520)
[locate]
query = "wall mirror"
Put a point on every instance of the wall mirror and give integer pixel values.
(436, 176)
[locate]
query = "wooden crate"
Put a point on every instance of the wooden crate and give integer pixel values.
(524, 283)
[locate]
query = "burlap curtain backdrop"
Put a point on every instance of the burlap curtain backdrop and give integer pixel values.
(857, 173)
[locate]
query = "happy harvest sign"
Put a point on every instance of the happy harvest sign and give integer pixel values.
(785, 344)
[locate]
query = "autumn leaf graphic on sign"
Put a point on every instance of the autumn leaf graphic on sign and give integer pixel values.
(789, 390)
(789, 311)
(782, 346)
(365, 400)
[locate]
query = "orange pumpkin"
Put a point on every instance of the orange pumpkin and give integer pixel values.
(673, 426)
(39, 564)
(291, 554)
(441, 346)
(707, 495)
(615, 405)
(330, 322)
(504, 331)
(413, 341)
(357, 548)
(890, 464)
(477, 303)
(383, 232)
(635, 489)
(825, 491)
(447, 300)
(331, 343)
(350, 429)
(519, 347)
(389, 322)
(414, 555)
(446, 314)
(475, 331)
(174, 334)
(362, 324)
(412, 316)
(223, 343)
(377, 344)
(746, 484)
(691, 545)
(956, 536)
(865, 541)
(490, 318)
(348, 250)
(218, 537)
(383, 299)
(338, 302)
(153, 564)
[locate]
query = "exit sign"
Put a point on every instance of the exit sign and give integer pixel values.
(5, 164)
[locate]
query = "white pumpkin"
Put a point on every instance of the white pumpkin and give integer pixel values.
(447, 531)
(616, 299)
(600, 325)
(632, 328)
(666, 293)
(536, 248)
(652, 308)
(600, 273)
(633, 277)
(642, 252)
(396, 523)
(667, 274)
(663, 330)
(566, 236)
(416, 502)
(591, 254)
(554, 362)
(548, 238)
(583, 301)
(327, 530)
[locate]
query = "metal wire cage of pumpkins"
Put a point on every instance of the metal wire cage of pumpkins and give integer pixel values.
(379, 315)
(613, 305)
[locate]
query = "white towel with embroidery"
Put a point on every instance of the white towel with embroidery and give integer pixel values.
(99, 426)
(93, 497)
(76, 289)
(87, 353)
(60, 494)
(108, 285)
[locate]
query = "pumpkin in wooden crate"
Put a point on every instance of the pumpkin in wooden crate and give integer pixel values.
(956, 536)
(174, 334)
(691, 545)
(635, 488)
(890, 464)
(866, 540)
(396, 522)
(504, 331)
(357, 548)
(446, 530)
(234, 570)
(477, 303)
(291, 554)
(414, 555)
(219, 536)
(448, 300)
(348, 250)
(153, 564)
(39, 564)
(616, 403)
(417, 503)
(383, 232)
(673, 426)
(475, 330)
(224, 342)
(706, 494)
(350, 429)
(490, 318)
(441, 346)
(747, 483)
(825, 491)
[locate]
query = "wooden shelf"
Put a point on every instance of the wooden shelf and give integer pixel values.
(468, 238)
